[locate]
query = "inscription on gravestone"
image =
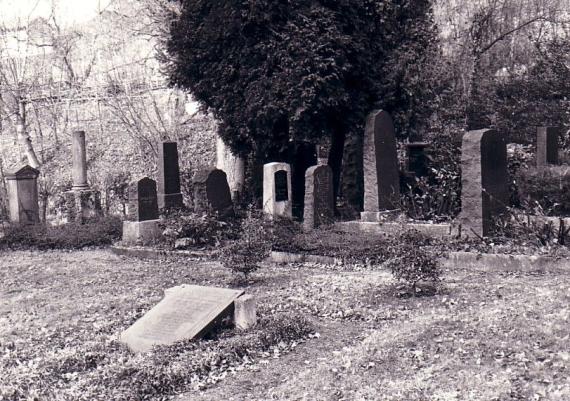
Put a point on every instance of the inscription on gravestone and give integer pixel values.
(281, 188)
(186, 312)
(147, 200)
(168, 176)
(211, 191)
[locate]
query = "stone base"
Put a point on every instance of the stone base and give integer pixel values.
(168, 201)
(380, 217)
(141, 232)
(81, 205)
(440, 230)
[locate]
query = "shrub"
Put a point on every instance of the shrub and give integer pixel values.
(546, 190)
(98, 232)
(251, 247)
(413, 262)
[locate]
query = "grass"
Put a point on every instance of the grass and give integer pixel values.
(483, 336)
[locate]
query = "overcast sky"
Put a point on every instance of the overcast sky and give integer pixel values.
(68, 12)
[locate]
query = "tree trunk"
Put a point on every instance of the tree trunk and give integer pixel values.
(24, 137)
(335, 159)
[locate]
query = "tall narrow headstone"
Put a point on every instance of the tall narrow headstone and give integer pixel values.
(212, 192)
(484, 181)
(547, 146)
(22, 188)
(381, 175)
(141, 226)
(79, 160)
(233, 166)
(319, 197)
(169, 195)
(277, 189)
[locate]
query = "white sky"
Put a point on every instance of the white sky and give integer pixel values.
(68, 12)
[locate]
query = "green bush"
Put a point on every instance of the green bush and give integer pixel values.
(545, 190)
(99, 232)
(253, 245)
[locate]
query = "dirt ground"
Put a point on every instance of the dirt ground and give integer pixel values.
(483, 336)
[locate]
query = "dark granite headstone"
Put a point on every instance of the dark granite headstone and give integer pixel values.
(143, 200)
(169, 195)
(547, 146)
(381, 175)
(281, 189)
(484, 180)
(319, 197)
(212, 192)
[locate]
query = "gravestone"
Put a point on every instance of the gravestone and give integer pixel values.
(547, 146)
(484, 181)
(380, 164)
(212, 192)
(22, 187)
(82, 202)
(141, 226)
(186, 312)
(169, 195)
(319, 197)
(302, 155)
(277, 189)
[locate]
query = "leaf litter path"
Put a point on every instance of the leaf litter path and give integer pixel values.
(486, 336)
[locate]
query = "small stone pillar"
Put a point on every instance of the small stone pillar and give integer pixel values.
(319, 197)
(381, 175)
(484, 181)
(79, 160)
(547, 146)
(142, 227)
(245, 315)
(169, 195)
(233, 166)
(277, 199)
(22, 188)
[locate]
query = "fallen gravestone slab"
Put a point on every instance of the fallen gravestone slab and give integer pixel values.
(186, 312)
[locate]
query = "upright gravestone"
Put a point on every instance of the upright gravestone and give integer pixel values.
(81, 202)
(22, 186)
(212, 192)
(380, 163)
(142, 228)
(186, 312)
(484, 181)
(277, 190)
(547, 146)
(319, 197)
(169, 195)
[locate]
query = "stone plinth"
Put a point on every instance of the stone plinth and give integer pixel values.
(484, 181)
(233, 166)
(381, 217)
(277, 200)
(547, 146)
(22, 186)
(319, 197)
(380, 163)
(168, 183)
(212, 192)
(81, 205)
(141, 232)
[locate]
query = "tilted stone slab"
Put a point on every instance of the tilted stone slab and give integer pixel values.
(186, 312)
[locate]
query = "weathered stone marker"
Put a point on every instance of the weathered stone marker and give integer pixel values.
(547, 146)
(186, 312)
(142, 225)
(212, 192)
(22, 186)
(380, 159)
(319, 197)
(81, 202)
(484, 181)
(233, 166)
(169, 195)
(277, 189)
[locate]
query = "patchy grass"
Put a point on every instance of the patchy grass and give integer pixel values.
(483, 336)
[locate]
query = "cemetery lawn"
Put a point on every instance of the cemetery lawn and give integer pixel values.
(483, 336)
